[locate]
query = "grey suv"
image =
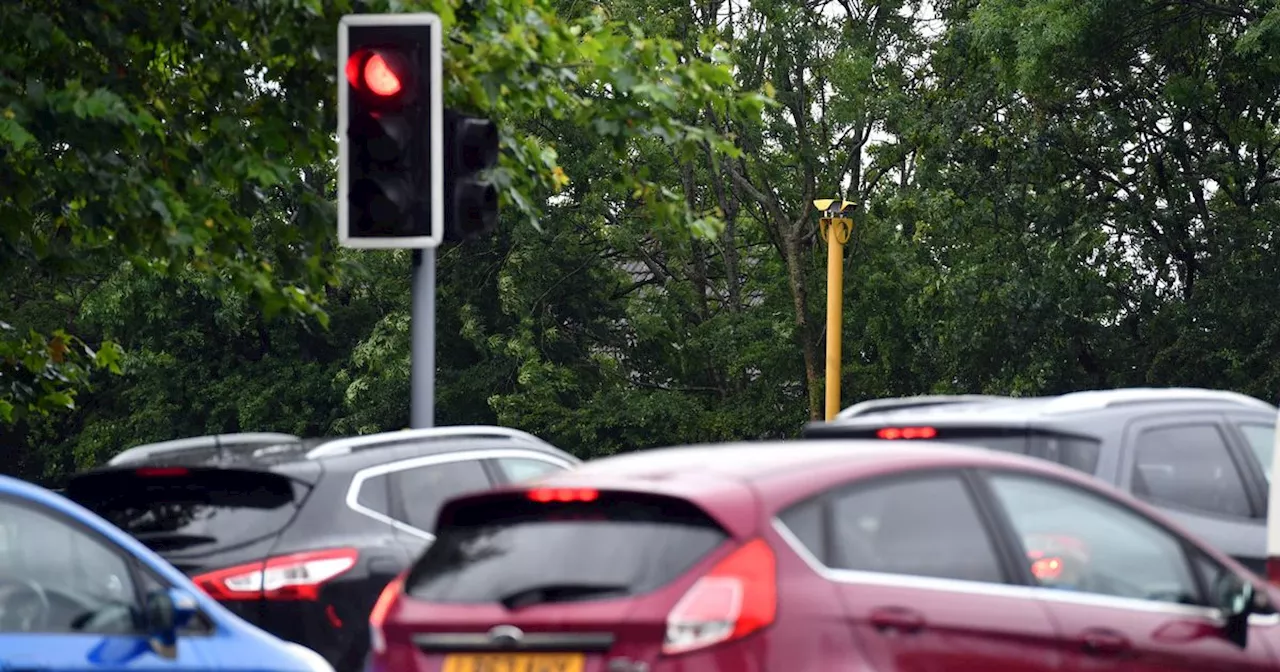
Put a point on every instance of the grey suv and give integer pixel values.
(1200, 456)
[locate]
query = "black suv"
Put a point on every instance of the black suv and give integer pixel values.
(1200, 456)
(300, 536)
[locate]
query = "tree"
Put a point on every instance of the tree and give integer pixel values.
(183, 139)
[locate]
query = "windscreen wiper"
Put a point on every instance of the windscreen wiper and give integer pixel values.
(561, 592)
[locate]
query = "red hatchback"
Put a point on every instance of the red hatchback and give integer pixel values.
(819, 556)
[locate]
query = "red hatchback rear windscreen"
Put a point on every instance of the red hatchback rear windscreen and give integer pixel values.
(551, 546)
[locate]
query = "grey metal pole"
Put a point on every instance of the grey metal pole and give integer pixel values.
(422, 332)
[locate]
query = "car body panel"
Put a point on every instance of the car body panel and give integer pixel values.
(843, 619)
(233, 643)
(1116, 427)
(333, 514)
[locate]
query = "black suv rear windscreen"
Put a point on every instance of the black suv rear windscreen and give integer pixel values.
(516, 550)
(190, 510)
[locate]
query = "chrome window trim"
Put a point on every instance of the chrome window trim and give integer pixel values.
(353, 490)
(855, 577)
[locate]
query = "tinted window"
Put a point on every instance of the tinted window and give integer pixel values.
(804, 520)
(190, 512)
(606, 548)
(992, 438)
(1004, 444)
(1189, 465)
(924, 526)
(1078, 541)
(519, 469)
(1262, 441)
(86, 583)
(1080, 453)
(422, 490)
(373, 494)
(1076, 452)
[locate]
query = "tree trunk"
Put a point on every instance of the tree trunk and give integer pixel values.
(804, 330)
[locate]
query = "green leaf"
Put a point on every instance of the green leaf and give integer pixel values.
(14, 134)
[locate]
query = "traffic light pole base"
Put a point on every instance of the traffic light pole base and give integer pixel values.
(422, 335)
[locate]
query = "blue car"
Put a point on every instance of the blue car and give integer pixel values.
(77, 594)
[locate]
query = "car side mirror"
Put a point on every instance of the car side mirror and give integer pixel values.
(1237, 599)
(167, 612)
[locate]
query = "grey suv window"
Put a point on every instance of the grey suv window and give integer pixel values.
(1262, 441)
(1190, 466)
(919, 526)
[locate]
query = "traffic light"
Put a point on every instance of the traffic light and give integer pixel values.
(471, 203)
(390, 121)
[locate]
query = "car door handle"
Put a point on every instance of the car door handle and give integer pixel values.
(1103, 642)
(897, 619)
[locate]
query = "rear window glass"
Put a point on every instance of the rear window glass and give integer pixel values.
(193, 513)
(503, 549)
(1077, 452)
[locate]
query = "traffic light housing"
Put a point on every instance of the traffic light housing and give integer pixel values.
(390, 124)
(471, 202)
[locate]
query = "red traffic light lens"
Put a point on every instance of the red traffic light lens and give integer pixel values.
(380, 77)
(380, 73)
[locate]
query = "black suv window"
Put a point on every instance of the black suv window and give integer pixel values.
(421, 490)
(508, 548)
(59, 578)
(175, 509)
(921, 526)
(1189, 465)
(373, 494)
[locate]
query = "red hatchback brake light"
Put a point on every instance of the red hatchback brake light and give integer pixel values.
(548, 495)
(298, 576)
(736, 598)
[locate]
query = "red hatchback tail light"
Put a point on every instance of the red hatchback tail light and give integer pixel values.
(298, 576)
(736, 598)
(378, 616)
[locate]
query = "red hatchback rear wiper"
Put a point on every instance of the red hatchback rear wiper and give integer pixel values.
(560, 592)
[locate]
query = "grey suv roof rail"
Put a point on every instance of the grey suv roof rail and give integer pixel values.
(904, 403)
(368, 441)
(1091, 400)
(144, 451)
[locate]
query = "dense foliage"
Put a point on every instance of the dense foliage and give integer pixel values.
(1052, 196)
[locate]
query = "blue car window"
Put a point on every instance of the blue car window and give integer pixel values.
(57, 578)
